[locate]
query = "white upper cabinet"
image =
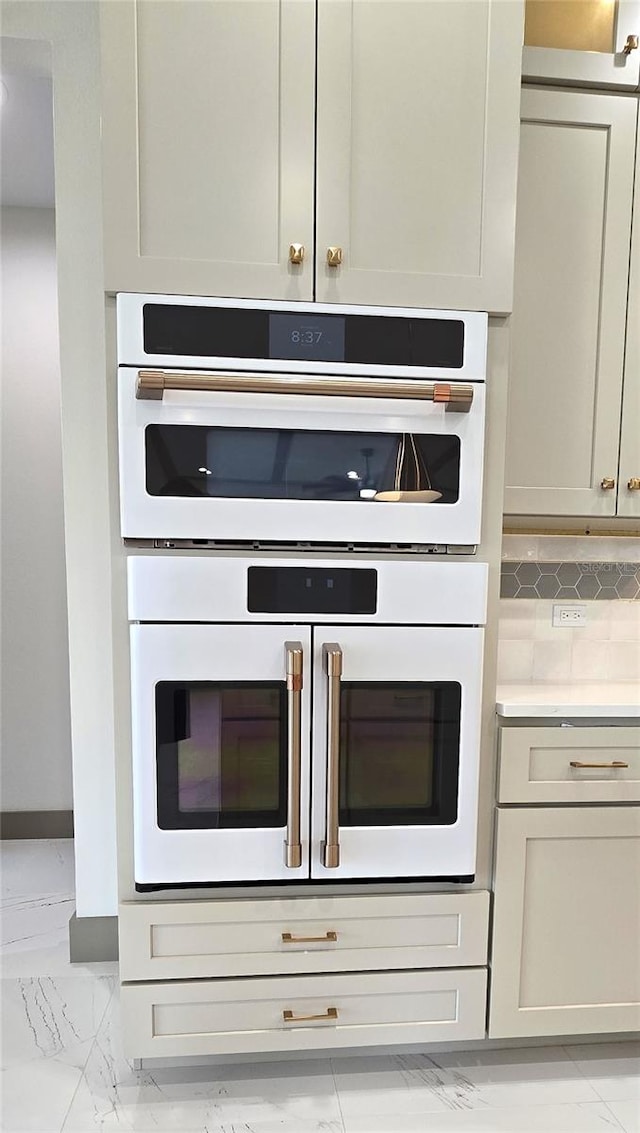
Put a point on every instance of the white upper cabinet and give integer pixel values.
(208, 122)
(417, 151)
(592, 43)
(575, 191)
(209, 149)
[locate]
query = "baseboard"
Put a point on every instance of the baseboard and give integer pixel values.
(93, 939)
(36, 824)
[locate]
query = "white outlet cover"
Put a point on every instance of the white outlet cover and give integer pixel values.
(569, 616)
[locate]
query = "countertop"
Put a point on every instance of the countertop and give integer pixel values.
(584, 698)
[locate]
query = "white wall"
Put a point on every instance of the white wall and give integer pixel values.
(36, 738)
(89, 489)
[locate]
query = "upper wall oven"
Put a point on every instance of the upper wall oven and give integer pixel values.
(296, 424)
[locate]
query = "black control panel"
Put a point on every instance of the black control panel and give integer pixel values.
(245, 332)
(311, 590)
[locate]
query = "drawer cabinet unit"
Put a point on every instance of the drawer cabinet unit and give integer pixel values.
(566, 924)
(212, 173)
(575, 190)
(302, 1013)
(186, 940)
(570, 765)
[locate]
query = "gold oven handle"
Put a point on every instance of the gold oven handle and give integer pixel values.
(294, 666)
(331, 1013)
(332, 658)
(610, 766)
(330, 937)
(151, 385)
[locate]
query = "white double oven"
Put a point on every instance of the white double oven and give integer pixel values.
(305, 675)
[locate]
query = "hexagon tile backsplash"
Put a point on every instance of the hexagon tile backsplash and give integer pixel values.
(570, 581)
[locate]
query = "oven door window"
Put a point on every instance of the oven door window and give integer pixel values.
(221, 755)
(399, 753)
(301, 464)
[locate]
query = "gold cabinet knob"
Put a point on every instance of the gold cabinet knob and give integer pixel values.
(630, 45)
(607, 483)
(334, 257)
(634, 484)
(296, 253)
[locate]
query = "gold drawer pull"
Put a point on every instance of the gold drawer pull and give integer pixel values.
(616, 763)
(328, 938)
(330, 1013)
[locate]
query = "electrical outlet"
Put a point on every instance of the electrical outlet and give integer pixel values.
(569, 616)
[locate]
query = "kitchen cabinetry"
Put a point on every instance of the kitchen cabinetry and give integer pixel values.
(326, 972)
(585, 43)
(567, 904)
(209, 130)
(575, 193)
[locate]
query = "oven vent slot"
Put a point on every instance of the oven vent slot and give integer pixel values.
(282, 547)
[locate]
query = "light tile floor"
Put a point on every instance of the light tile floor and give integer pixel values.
(63, 1070)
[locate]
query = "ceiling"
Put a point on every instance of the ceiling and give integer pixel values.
(26, 124)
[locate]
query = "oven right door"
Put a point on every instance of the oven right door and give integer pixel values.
(395, 745)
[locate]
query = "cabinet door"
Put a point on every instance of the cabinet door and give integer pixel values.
(417, 152)
(582, 43)
(208, 122)
(566, 922)
(629, 472)
(572, 255)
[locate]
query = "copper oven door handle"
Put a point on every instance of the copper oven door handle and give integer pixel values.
(294, 666)
(332, 661)
(457, 398)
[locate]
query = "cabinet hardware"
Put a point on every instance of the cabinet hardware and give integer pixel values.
(151, 385)
(330, 937)
(296, 253)
(334, 257)
(607, 483)
(332, 656)
(293, 667)
(634, 484)
(630, 45)
(616, 763)
(289, 1017)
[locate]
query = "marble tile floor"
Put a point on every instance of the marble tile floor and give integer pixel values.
(63, 1070)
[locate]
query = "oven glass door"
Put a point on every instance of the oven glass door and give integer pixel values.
(395, 751)
(279, 467)
(221, 749)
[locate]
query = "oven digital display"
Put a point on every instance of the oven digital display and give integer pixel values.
(312, 590)
(316, 338)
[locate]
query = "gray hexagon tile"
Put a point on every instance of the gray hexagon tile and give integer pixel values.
(572, 581)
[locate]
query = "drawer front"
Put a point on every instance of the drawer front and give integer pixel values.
(302, 1013)
(199, 939)
(549, 765)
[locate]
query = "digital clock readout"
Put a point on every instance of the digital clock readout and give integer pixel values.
(315, 338)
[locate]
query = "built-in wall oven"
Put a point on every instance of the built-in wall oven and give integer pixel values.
(300, 424)
(304, 717)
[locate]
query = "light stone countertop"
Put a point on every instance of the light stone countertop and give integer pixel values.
(582, 698)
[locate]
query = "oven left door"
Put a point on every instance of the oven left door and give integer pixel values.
(220, 746)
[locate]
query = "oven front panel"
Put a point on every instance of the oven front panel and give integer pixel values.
(212, 723)
(298, 468)
(404, 756)
(217, 730)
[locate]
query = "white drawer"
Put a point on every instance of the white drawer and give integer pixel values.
(536, 765)
(196, 939)
(302, 1012)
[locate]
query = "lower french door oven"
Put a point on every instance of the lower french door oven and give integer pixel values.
(304, 718)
